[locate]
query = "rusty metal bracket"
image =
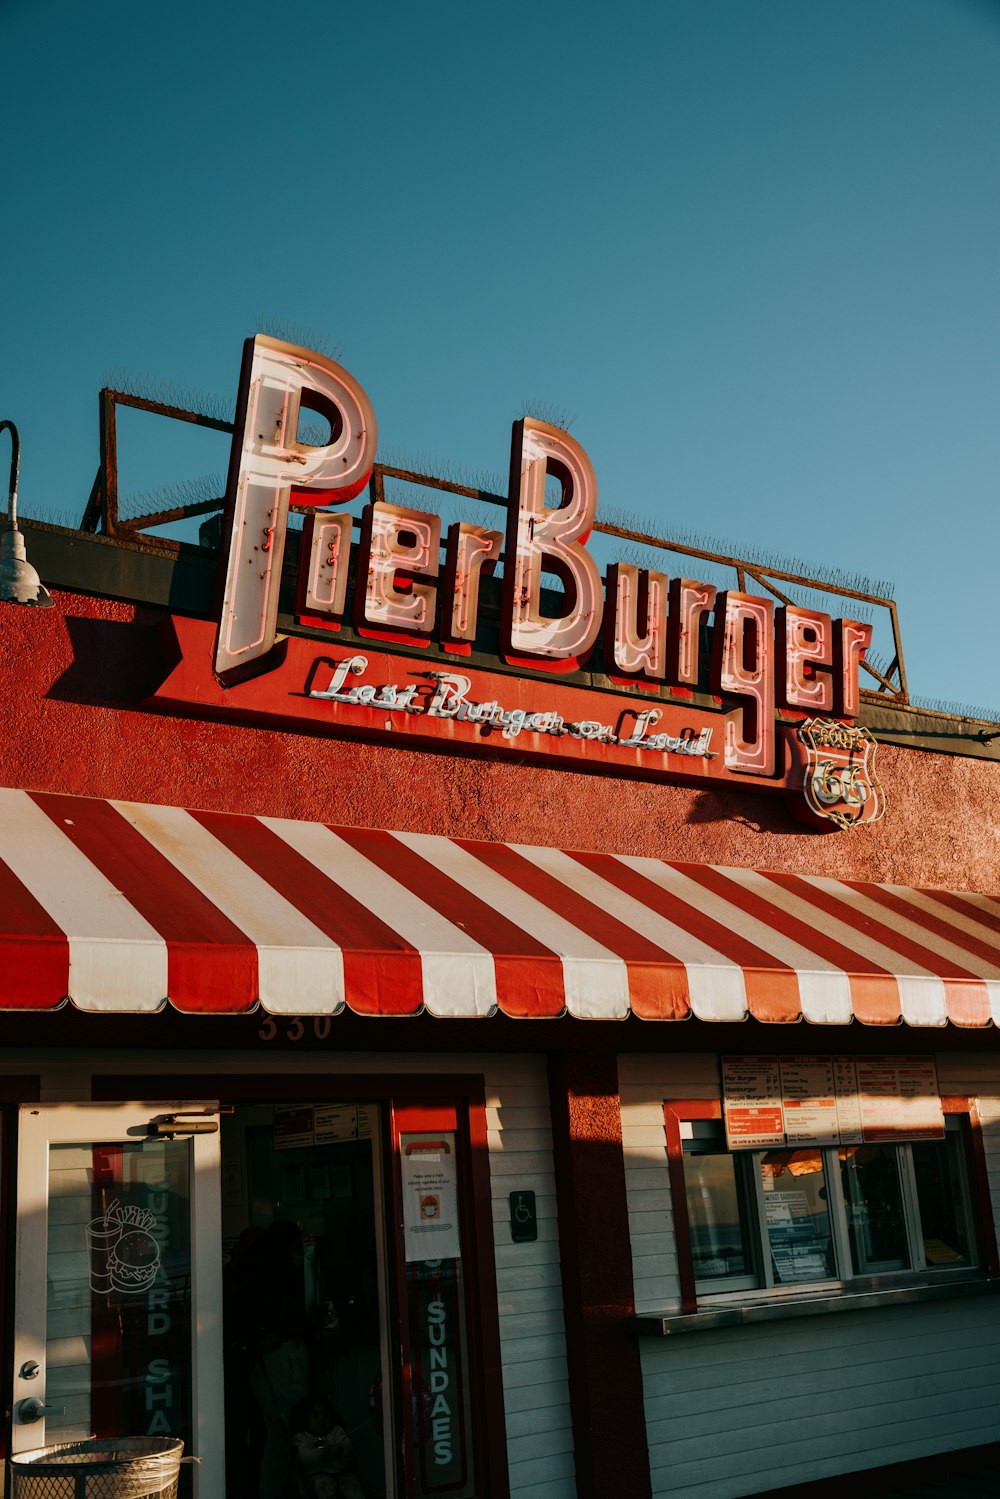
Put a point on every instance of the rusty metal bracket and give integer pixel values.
(101, 512)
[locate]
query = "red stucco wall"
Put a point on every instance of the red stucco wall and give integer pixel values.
(68, 677)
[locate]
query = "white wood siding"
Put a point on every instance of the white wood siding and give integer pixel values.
(529, 1283)
(738, 1410)
(68, 1302)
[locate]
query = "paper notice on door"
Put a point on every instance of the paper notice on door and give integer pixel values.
(430, 1199)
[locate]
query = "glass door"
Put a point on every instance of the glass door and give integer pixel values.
(308, 1362)
(118, 1300)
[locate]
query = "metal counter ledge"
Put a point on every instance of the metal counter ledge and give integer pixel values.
(669, 1324)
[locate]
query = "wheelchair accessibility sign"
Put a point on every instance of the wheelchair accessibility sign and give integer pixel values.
(523, 1218)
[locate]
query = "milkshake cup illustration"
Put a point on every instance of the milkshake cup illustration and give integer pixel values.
(102, 1236)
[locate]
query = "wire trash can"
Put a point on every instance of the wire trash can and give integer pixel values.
(99, 1468)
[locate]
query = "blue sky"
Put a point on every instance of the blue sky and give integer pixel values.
(751, 245)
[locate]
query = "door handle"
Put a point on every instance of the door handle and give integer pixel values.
(31, 1410)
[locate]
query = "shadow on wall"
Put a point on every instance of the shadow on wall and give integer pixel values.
(755, 812)
(133, 654)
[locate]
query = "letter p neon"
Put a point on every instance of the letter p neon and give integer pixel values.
(267, 465)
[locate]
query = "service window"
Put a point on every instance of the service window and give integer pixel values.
(802, 1217)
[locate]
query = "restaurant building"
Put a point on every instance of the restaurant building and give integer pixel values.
(595, 986)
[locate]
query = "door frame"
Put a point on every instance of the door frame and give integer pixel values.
(39, 1126)
(466, 1091)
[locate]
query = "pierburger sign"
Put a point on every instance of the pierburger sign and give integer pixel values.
(784, 681)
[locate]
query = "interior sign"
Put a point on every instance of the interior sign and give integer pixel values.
(439, 1399)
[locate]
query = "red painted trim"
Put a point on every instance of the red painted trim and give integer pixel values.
(967, 1109)
(402, 1394)
(673, 1113)
(468, 1121)
(107, 1391)
(982, 1202)
(595, 1251)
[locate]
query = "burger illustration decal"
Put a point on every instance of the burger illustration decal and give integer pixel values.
(124, 1256)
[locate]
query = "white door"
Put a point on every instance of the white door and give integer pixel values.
(118, 1302)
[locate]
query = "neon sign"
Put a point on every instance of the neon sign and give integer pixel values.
(639, 628)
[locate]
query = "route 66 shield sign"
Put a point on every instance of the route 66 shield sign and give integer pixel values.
(839, 787)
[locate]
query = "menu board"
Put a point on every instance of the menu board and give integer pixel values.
(293, 1127)
(336, 1122)
(751, 1088)
(771, 1102)
(809, 1101)
(899, 1099)
(321, 1124)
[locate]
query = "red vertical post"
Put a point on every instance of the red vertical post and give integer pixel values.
(605, 1377)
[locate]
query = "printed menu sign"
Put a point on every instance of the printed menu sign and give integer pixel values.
(773, 1102)
(845, 1082)
(321, 1124)
(809, 1099)
(293, 1127)
(751, 1087)
(336, 1122)
(899, 1099)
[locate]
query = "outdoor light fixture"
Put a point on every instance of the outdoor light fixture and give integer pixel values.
(19, 583)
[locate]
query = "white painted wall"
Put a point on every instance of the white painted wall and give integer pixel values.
(738, 1410)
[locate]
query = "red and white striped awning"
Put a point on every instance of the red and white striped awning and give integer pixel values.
(122, 907)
